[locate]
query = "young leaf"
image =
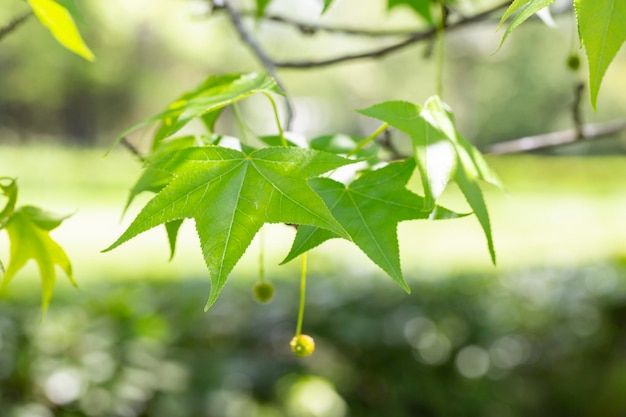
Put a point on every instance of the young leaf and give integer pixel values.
(215, 93)
(442, 153)
(530, 9)
(28, 230)
(421, 7)
(231, 194)
(602, 30)
(59, 21)
(369, 209)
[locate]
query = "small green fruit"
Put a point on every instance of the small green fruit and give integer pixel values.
(263, 291)
(573, 62)
(302, 345)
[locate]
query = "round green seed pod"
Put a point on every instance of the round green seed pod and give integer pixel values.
(263, 291)
(573, 62)
(302, 345)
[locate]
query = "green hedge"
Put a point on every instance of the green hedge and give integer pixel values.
(535, 343)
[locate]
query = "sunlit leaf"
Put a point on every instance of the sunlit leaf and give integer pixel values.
(231, 194)
(71, 7)
(59, 21)
(602, 30)
(369, 209)
(432, 150)
(28, 230)
(442, 153)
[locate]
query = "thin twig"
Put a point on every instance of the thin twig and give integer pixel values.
(267, 62)
(378, 53)
(311, 28)
(385, 142)
(560, 138)
(132, 148)
(14, 24)
(576, 114)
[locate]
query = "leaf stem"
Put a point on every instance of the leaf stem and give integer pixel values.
(280, 128)
(362, 144)
(439, 49)
(302, 296)
(261, 256)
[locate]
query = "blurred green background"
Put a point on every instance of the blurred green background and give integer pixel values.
(541, 334)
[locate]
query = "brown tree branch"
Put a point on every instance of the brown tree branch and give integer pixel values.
(560, 138)
(266, 61)
(14, 24)
(311, 28)
(378, 53)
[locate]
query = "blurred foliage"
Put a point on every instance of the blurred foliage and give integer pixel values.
(540, 342)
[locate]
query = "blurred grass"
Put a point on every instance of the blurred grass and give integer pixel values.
(559, 211)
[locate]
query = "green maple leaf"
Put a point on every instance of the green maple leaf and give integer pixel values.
(154, 179)
(421, 7)
(442, 154)
(204, 102)
(28, 229)
(231, 194)
(369, 209)
(602, 31)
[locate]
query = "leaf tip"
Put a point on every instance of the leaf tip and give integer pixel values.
(492, 253)
(208, 305)
(111, 247)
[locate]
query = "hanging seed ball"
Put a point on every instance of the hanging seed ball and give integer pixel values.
(302, 345)
(573, 62)
(263, 291)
